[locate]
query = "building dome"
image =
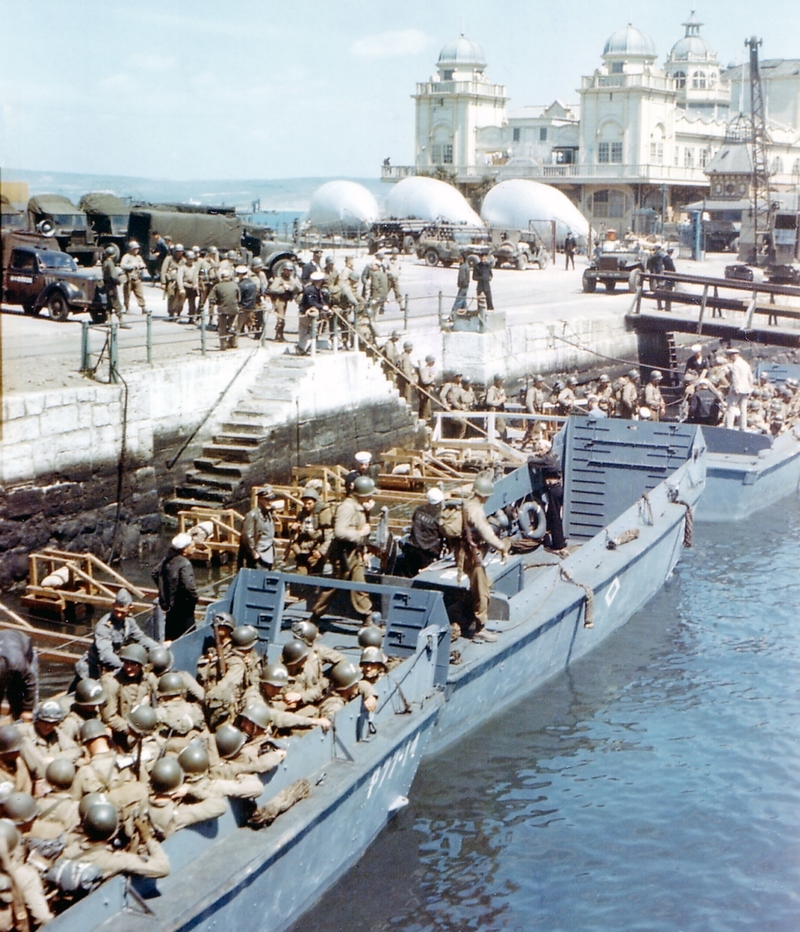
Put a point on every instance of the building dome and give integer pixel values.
(462, 52)
(692, 46)
(629, 42)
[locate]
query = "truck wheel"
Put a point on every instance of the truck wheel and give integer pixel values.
(522, 261)
(635, 280)
(98, 315)
(58, 307)
(409, 243)
(432, 257)
(589, 282)
(610, 284)
(447, 263)
(543, 261)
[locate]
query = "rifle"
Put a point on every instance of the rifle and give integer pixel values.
(221, 664)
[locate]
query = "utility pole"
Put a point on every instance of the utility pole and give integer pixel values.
(762, 201)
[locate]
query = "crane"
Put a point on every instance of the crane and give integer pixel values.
(763, 247)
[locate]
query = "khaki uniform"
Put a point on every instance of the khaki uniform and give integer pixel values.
(479, 585)
(15, 775)
(334, 701)
(346, 556)
(28, 883)
(225, 699)
(535, 400)
(629, 401)
(169, 815)
(348, 289)
(309, 543)
(39, 750)
(123, 696)
(179, 721)
(393, 278)
(495, 401)
(208, 670)
(282, 291)
(427, 381)
(391, 354)
(106, 773)
(58, 815)
(112, 861)
(169, 282)
(133, 265)
(208, 277)
(654, 401)
(225, 296)
(188, 288)
(243, 786)
(256, 756)
(71, 726)
(407, 378)
(567, 401)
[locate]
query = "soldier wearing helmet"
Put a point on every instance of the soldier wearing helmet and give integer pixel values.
(14, 773)
(225, 296)
(495, 400)
(653, 398)
(105, 771)
(535, 401)
(282, 289)
(179, 721)
(425, 540)
(274, 681)
(112, 279)
(407, 377)
(224, 699)
(426, 386)
(567, 399)
(169, 277)
(307, 631)
(43, 740)
(133, 265)
(169, 806)
(30, 907)
(351, 530)
(213, 663)
(346, 682)
(629, 397)
(309, 538)
(128, 687)
(110, 633)
(89, 696)
(208, 276)
(391, 354)
(188, 286)
(243, 749)
(373, 664)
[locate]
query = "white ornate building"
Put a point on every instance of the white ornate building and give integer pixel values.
(638, 142)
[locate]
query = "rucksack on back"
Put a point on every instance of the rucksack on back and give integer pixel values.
(451, 519)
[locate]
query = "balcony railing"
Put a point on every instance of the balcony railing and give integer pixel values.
(575, 174)
(461, 87)
(650, 81)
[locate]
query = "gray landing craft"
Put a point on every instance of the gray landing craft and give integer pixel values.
(629, 490)
(748, 471)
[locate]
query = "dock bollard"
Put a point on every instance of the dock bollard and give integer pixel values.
(405, 313)
(203, 324)
(149, 338)
(481, 318)
(85, 346)
(113, 354)
(313, 336)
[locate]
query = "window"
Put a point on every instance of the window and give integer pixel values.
(447, 75)
(447, 154)
(602, 152)
(436, 154)
(796, 167)
(699, 80)
(777, 166)
(617, 67)
(616, 152)
(688, 158)
(677, 155)
(542, 134)
(516, 134)
(705, 156)
(608, 204)
(680, 79)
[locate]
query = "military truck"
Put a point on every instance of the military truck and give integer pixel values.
(446, 243)
(615, 261)
(54, 214)
(517, 250)
(38, 275)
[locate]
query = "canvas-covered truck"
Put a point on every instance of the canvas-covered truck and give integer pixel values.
(38, 275)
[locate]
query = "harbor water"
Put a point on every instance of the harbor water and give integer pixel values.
(653, 786)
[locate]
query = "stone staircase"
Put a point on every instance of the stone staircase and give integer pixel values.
(251, 444)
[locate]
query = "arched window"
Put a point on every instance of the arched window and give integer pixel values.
(680, 79)
(796, 167)
(699, 80)
(777, 166)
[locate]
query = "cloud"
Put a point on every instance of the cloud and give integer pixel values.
(149, 61)
(393, 44)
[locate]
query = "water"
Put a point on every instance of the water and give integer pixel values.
(654, 786)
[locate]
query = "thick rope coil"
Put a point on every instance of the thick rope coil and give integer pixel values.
(588, 611)
(688, 526)
(624, 538)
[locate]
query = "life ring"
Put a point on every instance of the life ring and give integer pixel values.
(526, 523)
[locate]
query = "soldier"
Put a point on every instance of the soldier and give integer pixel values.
(248, 299)
(245, 749)
(59, 814)
(351, 531)
(535, 400)
(29, 902)
(741, 386)
(179, 721)
(19, 673)
(274, 681)
(373, 664)
(629, 396)
(450, 385)
(212, 665)
(347, 683)
(313, 265)
(195, 762)
(225, 297)
(393, 276)
(570, 244)
(177, 592)
(378, 288)
(307, 631)
(496, 401)
(314, 303)
(309, 540)
(14, 773)
(391, 355)
(332, 280)
(567, 399)
(482, 274)
(306, 680)
(463, 400)
(43, 741)
(653, 398)
(112, 278)
(464, 278)
(89, 697)
(469, 554)
(133, 266)
(207, 277)
(188, 286)
(100, 825)
(169, 279)
(348, 285)
(425, 541)
(112, 631)
(282, 290)
(406, 379)
(257, 538)
(426, 383)
(605, 395)
(169, 811)
(126, 689)
(768, 390)
(228, 263)
(362, 467)
(225, 698)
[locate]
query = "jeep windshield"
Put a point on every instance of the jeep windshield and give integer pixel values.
(57, 260)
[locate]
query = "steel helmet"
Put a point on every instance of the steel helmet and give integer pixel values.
(178, 247)
(572, 380)
(258, 713)
(89, 692)
(133, 244)
(60, 773)
(88, 801)
(142, 720)
(483, 485)
(50, 711)
(345, 674)
(231, 255)
(655, 375)
(364, 487)
(110, 251)
(558, 385)
(101, 821)
(373, 655)
(194, 758)
(161, 660)
(166, 775)
(94, 728)
(294, 652)
(134, 653)
(305, 631)
(465, 380)
(256, 263)
(430, 359)
(223, 620)
(10, 739)
(9, 834)
(370, 636)
(309, 492)
(171, 684)
(435, 495)
(633, 374)
(244, 637)
(20, 808)
(604, 378)
(229, 740)
(191, 254)
(497, 377)
(408, 346)
(275, 674)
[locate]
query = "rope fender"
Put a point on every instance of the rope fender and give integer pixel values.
(588, 610)
(688, 526)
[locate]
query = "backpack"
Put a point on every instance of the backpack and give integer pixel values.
(451, 520)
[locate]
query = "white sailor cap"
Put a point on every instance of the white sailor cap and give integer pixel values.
(364, 457)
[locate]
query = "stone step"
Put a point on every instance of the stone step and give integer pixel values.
(183, 503)
(205, 494)
(231, 453)
(213, 480)
(275, 392)
(238, 439)
(243, 427)
(220, 468)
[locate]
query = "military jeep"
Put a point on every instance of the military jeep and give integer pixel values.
(36, 274)
(615, 261)
(515, 250)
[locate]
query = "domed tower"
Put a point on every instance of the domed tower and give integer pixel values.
(628, 51)
(693, 67)
(458, 112)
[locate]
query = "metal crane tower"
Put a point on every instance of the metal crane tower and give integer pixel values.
(762, 201)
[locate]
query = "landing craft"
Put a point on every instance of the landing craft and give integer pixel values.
(520, 204)
(430, 199)
(342, 205)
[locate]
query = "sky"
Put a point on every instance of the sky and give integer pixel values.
(275, 89)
